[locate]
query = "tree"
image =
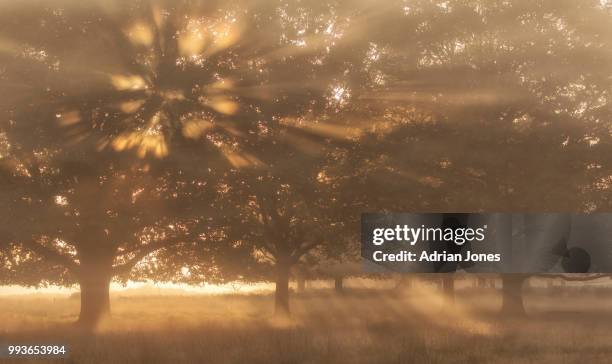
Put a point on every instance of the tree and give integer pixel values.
(460, 83)
(160, 77)
(87, 221)
(512, 294)
(285, 214)
(543, 246)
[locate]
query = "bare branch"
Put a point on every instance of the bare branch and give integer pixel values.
(579, 277)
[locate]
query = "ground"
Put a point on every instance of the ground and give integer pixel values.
(358, 326)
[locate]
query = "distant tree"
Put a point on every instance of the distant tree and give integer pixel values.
(285, 213)
(337, 265)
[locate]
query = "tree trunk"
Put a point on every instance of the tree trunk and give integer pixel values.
(448, 289)
(512, 294)
(95, 274)
(405, 281)
(301, 283)
(338, 284)
(95, 299)
(281, 294)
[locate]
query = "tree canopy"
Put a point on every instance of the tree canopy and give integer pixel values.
(154, 138)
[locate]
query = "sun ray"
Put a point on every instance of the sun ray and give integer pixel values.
(128, 82)
(222, 105)
(132, 106)
(196, 128)
(192, 41)
(68, 118)
(140, 34)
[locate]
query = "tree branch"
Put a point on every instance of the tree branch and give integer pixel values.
(305, 249)
(51, 255)
(578, 277)
(146, 250)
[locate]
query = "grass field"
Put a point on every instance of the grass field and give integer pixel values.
(359, 326)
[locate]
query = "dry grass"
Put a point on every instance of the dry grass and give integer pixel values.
(355, 327)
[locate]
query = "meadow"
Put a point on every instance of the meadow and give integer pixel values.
(356, 326)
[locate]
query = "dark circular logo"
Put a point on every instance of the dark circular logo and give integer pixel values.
(576, 260)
